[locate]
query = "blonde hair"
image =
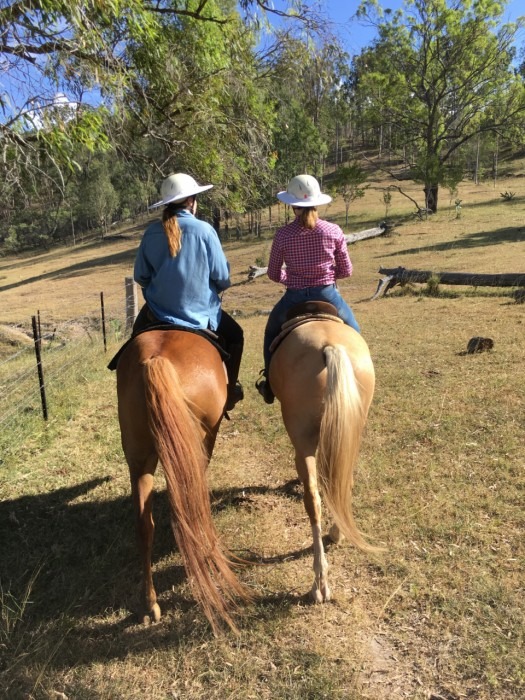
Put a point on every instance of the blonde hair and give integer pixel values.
(308, 217)
(171, 227)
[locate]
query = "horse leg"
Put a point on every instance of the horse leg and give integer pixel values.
(142, 494)
(209, 443)
(306, 469)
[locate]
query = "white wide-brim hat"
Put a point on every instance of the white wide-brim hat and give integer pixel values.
(303, 191)
(178, 187)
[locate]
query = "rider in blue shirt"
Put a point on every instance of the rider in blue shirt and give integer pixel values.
(182, 269)
(195, 304)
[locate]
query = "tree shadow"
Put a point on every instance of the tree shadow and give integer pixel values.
(480, 239)
(27, 259)
(76, 270)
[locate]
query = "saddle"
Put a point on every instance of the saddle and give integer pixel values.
(212, 337)
(304, 313)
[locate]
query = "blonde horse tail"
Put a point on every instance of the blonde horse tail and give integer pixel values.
(342, 426)
(179, 443)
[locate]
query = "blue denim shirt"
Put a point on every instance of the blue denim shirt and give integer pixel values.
(184, 289)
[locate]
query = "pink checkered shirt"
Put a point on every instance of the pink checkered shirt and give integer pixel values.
(313, 257)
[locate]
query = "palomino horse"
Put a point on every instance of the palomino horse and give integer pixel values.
(171, 388)
(323, 376)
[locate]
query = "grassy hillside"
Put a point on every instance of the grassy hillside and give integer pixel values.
(440, 483)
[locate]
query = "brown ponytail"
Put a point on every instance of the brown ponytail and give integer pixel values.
(308, 217)
(172, 229)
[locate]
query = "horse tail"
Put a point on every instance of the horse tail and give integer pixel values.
(178, 439)
(342, 426)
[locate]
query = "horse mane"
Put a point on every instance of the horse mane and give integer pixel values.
(178, 437)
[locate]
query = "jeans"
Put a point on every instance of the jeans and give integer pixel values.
(292, 297)
(229, 330)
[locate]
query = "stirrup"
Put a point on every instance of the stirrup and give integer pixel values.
(263, 387)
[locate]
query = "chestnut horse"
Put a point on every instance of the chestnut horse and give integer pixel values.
(323, 376)
(171, 388)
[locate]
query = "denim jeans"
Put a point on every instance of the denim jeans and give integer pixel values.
(292, 297)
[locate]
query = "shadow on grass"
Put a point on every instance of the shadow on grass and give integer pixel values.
(27, 259)
(226, 498)
(80, 547)
(480, 239)
(74, 558)
(77, 270)
(70, 548)
(254, 558)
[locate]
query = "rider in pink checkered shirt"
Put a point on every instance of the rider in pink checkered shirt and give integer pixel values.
(315, 255)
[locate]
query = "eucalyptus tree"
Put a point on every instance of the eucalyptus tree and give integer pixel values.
(442, 73)
(348, 182)
(107, 74)
(58, 60)
(98, 199)
(198, 99)
(305, 77)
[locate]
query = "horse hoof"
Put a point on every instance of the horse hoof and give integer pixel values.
(152, 616)
(320, 595)
(155, 612)
(335, 534)
(316, 595)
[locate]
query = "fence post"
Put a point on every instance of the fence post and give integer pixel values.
(132, 306)
(38, 344)
(103, 316)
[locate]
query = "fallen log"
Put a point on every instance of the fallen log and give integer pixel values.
(255, 271)
(367, 233)
(400, 275)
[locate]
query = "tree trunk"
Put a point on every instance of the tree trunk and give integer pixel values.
(495, 162)
(72, 227)
(217, 220)
(476, 171)
(431, 197)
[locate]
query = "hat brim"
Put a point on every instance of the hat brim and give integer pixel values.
(181, 197)
(288, 198)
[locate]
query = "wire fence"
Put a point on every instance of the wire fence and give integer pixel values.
(57, 352)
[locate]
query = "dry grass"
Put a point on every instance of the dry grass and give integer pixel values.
(440, 482)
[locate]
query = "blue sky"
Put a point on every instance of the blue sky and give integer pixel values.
(355, 36)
